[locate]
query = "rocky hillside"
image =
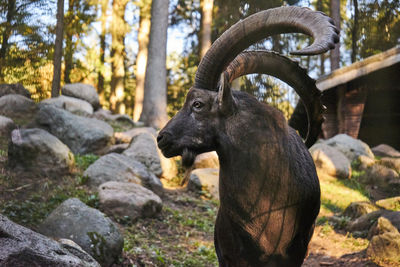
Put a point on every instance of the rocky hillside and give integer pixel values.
(86, 187)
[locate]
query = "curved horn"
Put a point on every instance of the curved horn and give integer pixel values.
(290, 72)
(259, 26)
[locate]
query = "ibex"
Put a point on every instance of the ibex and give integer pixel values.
(268, 186)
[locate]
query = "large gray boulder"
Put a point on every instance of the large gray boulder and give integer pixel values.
(120, 168)
(364, 222)
(14, 89)
(87, 227)
(38, 151)
(359, 208)
(126, 137)
(82, 135)
(16, 105)
(350, 147)
(385, 241)
(82, 91)
(392, 163)
(384, 150)
(72, 104)
(330, 161)
(379, 175)
(206, 179)
(107, 116)
(128, 200)
(6, 126)
(143, 148)
(20, 247)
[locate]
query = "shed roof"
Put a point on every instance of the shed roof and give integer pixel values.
(359, 69)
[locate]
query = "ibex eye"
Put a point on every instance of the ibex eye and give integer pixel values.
(197, 104)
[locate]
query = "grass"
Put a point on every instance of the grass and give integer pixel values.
(182, 235)
(337, 194)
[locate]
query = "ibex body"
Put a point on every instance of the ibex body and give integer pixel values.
(269, 190)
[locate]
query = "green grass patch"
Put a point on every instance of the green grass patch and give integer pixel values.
(84, 161)
(182, 235)
(39, 202)
(337, 194)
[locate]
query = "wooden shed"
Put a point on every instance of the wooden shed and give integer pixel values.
(363, 99)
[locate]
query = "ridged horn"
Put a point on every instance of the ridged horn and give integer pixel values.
(288, 71)
(259, 26)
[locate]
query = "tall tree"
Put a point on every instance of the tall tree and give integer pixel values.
(155, 94)
(205, 27)
(55, 87)
(335, 53)
(141, 59)
(354, 32)
(103, 19)
(118, 30)
(6, 33)
(76, 22)
(16, 21)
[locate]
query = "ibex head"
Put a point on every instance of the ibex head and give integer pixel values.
(196, 127)
(202, 122)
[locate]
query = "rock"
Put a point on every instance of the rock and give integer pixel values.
(205, 180)
(350, 147)
(82, 91)
(120, 168)
(359, 208)
(119, 148)
(36, 150)
(82, 135)
(378, 175)
(87, 227)
(384, 150)
(106, 115)
(128, 200)
(385, 247)
(329, 160)
(72, 104)
(206, 160)
(126, 137)
(392, 163)
(20, 246)
(364, 162)
(365, 222)
(392, 203)
(16, 105)
(143, 148)
(14, 89)
(6, 126)
(381, 226)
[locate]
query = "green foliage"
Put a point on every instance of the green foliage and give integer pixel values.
(84, 161)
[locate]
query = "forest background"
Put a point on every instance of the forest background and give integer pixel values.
(111, 45)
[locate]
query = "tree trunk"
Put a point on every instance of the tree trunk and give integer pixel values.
(68, 53)
(55, 87)
(141, 60)
(354, 33)
(6, 36)
(155, 94)
(100, 86)
(335, 53)
(205, 27)
(118, 30)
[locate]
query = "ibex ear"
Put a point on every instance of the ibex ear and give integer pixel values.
(226, 103)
